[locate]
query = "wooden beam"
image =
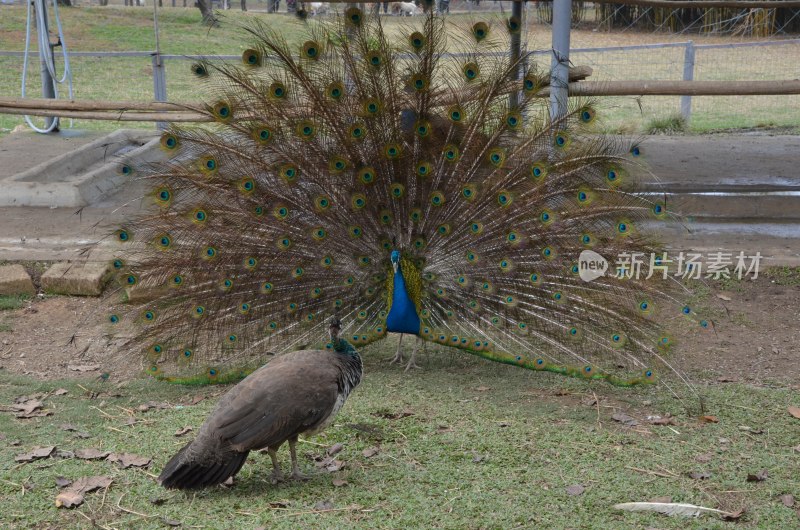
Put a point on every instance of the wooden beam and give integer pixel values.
(179, 112)
(684, 88)
(108, 115)
(706, 4)
(689, 4)
(83, 105)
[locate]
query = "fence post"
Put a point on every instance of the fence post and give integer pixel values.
(159, 84)
(688, 75)
(516, 52)
(559, 76)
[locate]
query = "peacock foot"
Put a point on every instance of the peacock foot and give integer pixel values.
(397, 359)
(276, 477)
(298, 475)
(412, 364)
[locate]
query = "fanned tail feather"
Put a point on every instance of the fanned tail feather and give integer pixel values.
(327, 155)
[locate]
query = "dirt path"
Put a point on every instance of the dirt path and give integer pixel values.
(755, 336)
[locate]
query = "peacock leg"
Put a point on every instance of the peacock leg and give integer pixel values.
(398, 357)
(296, 473)
(412, 362)
(277, 474)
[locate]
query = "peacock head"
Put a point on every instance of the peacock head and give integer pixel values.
(395, 260)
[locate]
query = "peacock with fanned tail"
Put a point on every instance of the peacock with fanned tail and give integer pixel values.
(378, 180)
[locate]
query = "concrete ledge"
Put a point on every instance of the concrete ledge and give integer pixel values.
(76, 278)
(82, 176)
(15, 280)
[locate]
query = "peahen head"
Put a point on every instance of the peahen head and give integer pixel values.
(340, 345)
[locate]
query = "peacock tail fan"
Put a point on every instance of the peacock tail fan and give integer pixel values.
(325, 159)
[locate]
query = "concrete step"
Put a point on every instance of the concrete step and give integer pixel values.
(79, 177)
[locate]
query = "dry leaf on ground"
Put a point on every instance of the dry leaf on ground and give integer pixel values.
(575, 489)
(370, 452)
(35, 454)
(624, 419)
(181, 432)
(126, 460)
(91, 454)
(68, 499)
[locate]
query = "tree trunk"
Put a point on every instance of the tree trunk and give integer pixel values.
(208, 13)
(244, 5)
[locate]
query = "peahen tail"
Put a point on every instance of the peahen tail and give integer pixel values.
(378, 178)
(188, 474)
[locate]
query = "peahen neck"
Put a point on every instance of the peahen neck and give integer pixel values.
(403, 315)
(352, 369)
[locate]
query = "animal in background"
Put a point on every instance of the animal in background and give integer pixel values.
(406, 9)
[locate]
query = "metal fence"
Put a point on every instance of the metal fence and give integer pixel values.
(107, 72)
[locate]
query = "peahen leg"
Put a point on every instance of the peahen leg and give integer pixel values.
(296, 473)
(412, 362)
(277, 474)
(398, 357)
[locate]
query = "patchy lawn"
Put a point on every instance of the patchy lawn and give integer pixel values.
(460, 444)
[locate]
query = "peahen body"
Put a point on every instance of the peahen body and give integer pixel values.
(297, 393)
(378, 180)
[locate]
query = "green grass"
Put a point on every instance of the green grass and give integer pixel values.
(12, 301)
(674, 124)
(531, 431)
(784, 275)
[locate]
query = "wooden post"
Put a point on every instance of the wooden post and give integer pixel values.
(688, 75)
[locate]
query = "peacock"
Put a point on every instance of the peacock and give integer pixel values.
(406, 182)
(272, 405)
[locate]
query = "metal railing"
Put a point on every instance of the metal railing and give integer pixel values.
(689, 65)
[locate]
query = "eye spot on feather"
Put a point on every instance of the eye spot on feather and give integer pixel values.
(169, 141)
(437, 198)
(480, 31)
(416, 40)
(199, 70)
(277, 90)
(251, 57)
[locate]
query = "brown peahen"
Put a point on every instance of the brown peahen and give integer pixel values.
(297, 393)
(379, 180)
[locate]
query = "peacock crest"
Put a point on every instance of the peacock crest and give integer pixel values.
(332, 167)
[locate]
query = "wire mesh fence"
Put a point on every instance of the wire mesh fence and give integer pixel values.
(618, 55)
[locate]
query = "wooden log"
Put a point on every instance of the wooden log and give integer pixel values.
(90, 109)
(684, 88)
(83, 105)
(108, 115)
(707, 4)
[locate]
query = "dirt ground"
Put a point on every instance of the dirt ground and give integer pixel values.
(754, 337)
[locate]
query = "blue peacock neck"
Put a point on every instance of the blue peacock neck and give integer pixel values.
(403, 314)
